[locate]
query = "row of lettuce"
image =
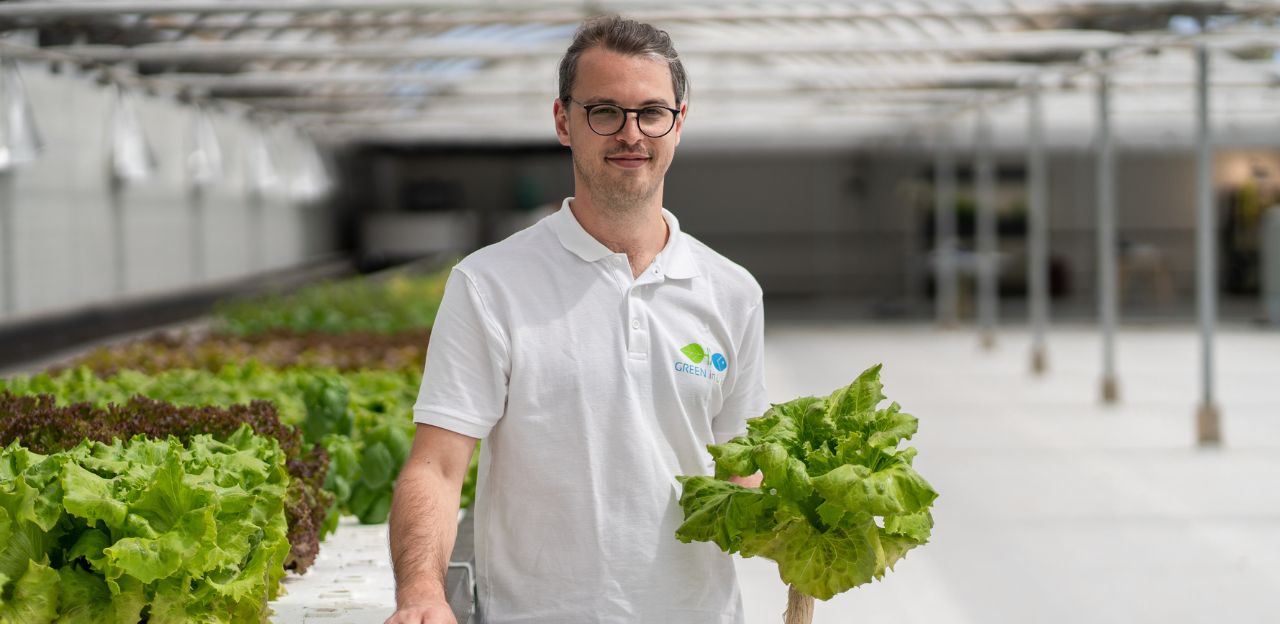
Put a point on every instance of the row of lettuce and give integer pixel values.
(178, 478)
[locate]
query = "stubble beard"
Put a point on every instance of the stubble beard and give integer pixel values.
(622, 200)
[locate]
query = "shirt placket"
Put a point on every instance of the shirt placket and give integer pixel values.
(637, 312)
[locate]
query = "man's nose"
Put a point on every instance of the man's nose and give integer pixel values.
(630, 132)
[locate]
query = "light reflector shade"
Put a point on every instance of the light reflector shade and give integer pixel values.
(204, 161)
(132, 158)
(264, 177)
(20, 140)
(312, 181)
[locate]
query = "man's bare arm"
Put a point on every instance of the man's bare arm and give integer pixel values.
(424, 523)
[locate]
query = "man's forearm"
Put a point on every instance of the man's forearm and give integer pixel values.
(424, 525)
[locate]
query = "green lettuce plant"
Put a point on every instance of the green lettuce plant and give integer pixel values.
(148, 530)
(395, 304)
(45, 427)
(839, 504)
(367, 407)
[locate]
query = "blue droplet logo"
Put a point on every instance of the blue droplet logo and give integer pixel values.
(719, 362)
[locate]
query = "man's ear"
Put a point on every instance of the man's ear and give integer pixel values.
(684, 112)
(561, 115)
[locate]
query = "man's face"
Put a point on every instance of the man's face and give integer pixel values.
(626, 168)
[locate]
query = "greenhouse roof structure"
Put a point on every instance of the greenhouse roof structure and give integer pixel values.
(834, 73)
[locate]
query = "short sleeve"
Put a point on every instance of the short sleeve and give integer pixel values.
(747, 399)
(464, 382)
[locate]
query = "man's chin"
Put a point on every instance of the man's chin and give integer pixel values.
(621, 187)
(630, 181)
(626, 195)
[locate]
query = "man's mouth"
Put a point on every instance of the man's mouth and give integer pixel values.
(629, 161)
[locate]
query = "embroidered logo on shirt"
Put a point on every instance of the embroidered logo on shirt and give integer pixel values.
(698, 355)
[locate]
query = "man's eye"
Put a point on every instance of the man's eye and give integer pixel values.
(655, 113)
(605, 113)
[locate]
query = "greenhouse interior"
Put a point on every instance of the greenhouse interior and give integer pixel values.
(1043, 227)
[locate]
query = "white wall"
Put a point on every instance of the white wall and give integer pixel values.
(61, 210)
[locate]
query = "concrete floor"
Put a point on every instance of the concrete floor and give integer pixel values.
(1053, 507)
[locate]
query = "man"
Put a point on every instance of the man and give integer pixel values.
(597, 353)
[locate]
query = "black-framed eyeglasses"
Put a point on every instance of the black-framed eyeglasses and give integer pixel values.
(609, 119)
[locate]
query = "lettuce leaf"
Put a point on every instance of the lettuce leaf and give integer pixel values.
(35, 596)
(839, 505)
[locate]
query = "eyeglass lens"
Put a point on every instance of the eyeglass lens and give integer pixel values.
(608, 119)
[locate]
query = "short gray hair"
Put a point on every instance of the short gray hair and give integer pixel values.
(623, 36)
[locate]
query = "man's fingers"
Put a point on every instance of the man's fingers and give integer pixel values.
(423, 615)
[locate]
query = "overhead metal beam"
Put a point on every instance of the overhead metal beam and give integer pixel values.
(763, 121)
(1018, 44)
(321, 85)
(1021, 43)
(444, 132)
(510, 115)
(347, 21)
(329, 127)
(1221, 39)
(926, 74)
(847, 9)
(1261, 73)
(771, 96)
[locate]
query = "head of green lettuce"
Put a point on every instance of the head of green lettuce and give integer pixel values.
(839, 503)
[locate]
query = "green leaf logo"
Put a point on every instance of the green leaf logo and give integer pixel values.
(694, 352)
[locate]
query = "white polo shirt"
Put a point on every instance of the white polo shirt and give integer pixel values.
(593, 390)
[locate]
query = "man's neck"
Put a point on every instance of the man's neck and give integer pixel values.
(640, 233)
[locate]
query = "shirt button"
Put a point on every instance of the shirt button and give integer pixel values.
(635, 324)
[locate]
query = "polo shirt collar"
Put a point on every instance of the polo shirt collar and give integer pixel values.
(675, 260)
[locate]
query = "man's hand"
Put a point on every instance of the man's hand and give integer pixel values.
(752, 481)
(427, 613)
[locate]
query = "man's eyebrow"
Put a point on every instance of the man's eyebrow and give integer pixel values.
(649, 102)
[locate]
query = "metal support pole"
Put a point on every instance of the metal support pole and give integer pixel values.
(986, 234)
(1208, 429)
(196, 199)
(119, 259)
(303, 209)
(944, 230)
(257, 237)
(8, 256)
(912, 244)
(1106, 214)
(1038, 231)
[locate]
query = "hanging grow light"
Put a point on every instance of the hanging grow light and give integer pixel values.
(264, 176)
(312, 181)
(132, 158)
(20, 140)
(204, 161)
